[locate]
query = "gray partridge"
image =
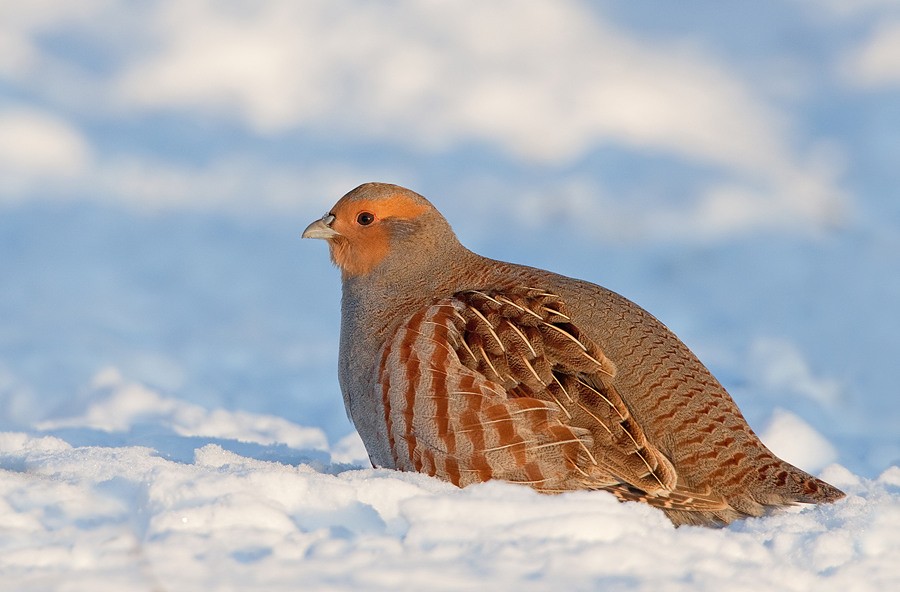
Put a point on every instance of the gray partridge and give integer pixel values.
(469, 369)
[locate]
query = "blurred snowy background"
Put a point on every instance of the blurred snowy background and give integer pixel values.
(733, 168)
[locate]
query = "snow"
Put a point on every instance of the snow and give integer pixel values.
(229, 517)
(797, 442)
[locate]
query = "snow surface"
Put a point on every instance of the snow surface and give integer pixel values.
(146, 492)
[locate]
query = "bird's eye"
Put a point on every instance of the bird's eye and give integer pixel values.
(365, 218)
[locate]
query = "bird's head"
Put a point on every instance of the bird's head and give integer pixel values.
(378, 223)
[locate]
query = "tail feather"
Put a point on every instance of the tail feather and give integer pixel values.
(687, 505)
(792, 485)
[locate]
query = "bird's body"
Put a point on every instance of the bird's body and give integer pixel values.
(471, 369)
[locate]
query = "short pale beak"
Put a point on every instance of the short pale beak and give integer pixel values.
(321, 229)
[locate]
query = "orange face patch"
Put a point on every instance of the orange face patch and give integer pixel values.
(364, 242)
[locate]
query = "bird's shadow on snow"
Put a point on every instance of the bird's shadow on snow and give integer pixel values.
(179, 448)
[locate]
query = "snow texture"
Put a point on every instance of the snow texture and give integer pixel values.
(209, 500)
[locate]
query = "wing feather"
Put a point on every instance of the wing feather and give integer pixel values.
(504, 385)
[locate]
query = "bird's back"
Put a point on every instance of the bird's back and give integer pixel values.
(682, 408)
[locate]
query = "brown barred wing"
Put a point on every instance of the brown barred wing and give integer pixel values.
(451, 421)
(503, 385)
(524, 339)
